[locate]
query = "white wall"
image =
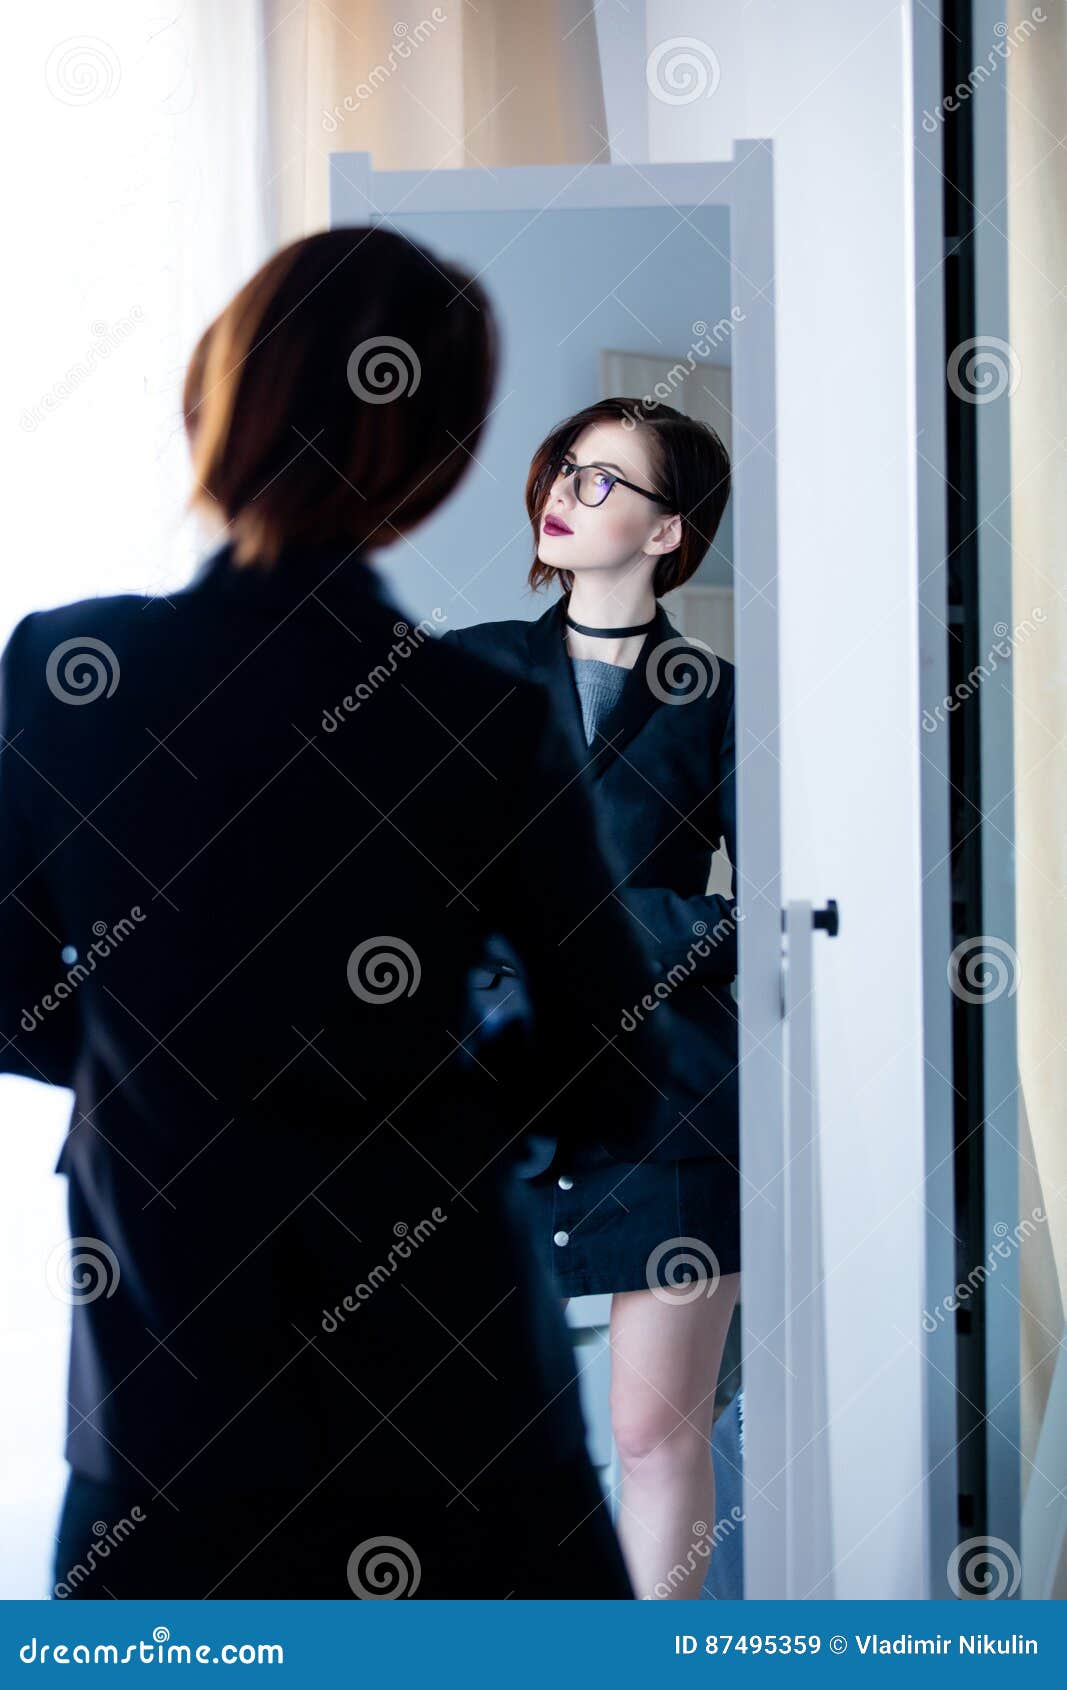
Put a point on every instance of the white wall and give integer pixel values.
(830, 84)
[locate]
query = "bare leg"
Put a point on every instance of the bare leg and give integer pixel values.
(666, 1352)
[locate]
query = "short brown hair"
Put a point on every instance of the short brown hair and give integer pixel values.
(690, 467)
(340, 394)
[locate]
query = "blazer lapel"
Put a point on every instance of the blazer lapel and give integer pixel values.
(553, 668)
(638, 700)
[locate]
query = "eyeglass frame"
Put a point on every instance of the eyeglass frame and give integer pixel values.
(567, 468)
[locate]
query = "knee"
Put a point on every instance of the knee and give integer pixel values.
(650, 1430)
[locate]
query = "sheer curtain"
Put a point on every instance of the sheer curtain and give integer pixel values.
(1037, 214)
(427, 87)
(138, 186)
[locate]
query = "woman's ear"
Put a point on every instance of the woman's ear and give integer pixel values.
(667, 536)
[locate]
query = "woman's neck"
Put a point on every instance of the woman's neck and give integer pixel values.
(609, 604)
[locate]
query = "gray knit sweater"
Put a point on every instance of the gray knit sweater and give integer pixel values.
(599, 688)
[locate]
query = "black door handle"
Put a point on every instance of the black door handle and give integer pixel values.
(827, 918)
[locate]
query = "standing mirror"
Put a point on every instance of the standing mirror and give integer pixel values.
(658, 282)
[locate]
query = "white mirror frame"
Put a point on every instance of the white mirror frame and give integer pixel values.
(774, 1530)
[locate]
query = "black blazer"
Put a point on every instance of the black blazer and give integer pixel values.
(662, 774)
(252, 840)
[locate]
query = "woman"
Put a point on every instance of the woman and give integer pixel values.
(625, 498)
(240, 891)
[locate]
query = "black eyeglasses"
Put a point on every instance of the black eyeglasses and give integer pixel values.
(593, 484)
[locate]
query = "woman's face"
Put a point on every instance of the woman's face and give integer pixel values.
(626, 531)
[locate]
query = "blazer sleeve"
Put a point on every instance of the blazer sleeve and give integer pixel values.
(549, 891)
(697, 933)
(38, 1016)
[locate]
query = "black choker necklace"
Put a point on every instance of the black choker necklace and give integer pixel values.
(607, 633)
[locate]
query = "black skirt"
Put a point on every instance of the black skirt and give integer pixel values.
(603, 1225)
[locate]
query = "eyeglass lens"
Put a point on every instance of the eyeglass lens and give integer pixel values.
(591, 485)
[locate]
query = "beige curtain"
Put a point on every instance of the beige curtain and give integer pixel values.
(425, 87)
(1037, 228)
